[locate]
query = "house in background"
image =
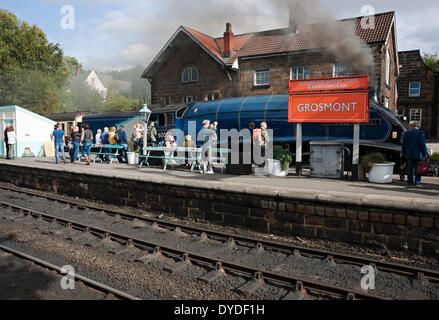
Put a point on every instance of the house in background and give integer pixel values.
(102, 83)
(418, 92)
(31, 129)
(193, 66)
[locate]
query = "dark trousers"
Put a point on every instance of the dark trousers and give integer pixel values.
(262, 165)
(7, 150)
(411, 171)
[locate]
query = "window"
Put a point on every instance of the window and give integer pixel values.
(342, 70)
(188, 99)
(387, 67)
(190, 74)
(169, 119)
(386, 103)
(262, 78)
(416, 115)
(162, 120)
(414, 89)
(168, 100)
(299, 73)
(213, 96)
(181, 112)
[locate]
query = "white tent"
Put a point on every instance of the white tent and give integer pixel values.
(31, 129)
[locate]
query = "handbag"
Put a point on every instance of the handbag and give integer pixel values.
(423, 167)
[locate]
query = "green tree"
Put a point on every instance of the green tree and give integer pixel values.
(32, 71)
(121, 103)
(432, 60)
(72, 64)
(80, 97)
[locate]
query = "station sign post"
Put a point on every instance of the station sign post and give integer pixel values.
(329, 100)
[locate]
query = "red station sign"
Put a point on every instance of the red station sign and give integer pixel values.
(329, 100)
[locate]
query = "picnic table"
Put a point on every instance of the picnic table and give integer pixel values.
(180, 156)
(99, 151)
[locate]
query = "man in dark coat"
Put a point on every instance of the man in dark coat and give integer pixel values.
(6, 140)
(414, 149)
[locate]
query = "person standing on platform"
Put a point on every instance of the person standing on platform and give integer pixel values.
(264, 140)
(12, 140)
(112, 138)
(139, 130)
(414, 149)
(76, 140)
(99, 137)
(87, 142)
(205, 135)
(152, 135)
(59, 141)
(6, 140)
(124, 143)
(105, 137)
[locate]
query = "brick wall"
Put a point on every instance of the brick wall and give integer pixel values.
(213, 78)
(413, 69)
(289, 214)
(168, 80)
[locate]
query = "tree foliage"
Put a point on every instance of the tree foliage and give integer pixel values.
(78, 96)
(32, 71)
(121, 103)
(432, 60)
(72, 65)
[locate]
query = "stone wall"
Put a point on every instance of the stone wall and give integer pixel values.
(395, 224)
(413, 69)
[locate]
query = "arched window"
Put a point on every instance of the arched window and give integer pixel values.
(190, 74)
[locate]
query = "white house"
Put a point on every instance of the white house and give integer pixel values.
(94, 82)
(31, 129)
(101, 83)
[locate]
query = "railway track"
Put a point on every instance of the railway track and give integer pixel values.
(400, 269)
(216, 267)
(86, 281)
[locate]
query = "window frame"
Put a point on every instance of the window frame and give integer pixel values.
(265, 84)
(308, 73)
(410, 89)
(411, 117)
(334, 70)
(190, 76)
(388, 67)
(186, 99)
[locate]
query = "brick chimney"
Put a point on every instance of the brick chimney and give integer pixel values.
(228, 40)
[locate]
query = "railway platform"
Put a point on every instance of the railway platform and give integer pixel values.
(354, 212)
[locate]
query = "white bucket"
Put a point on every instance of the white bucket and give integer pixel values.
(131, 158)
(275, 168)
(381, 173)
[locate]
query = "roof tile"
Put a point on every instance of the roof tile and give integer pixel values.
(282, 40)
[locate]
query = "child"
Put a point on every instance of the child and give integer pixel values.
(71, 149)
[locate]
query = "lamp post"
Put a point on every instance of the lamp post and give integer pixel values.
(145, 114)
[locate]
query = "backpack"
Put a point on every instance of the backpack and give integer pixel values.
(117, 136)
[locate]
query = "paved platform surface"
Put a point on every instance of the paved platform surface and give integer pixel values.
(396, 193)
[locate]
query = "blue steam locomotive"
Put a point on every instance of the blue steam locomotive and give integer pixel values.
(383, 132)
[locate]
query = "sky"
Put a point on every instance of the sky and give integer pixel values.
(119, 34)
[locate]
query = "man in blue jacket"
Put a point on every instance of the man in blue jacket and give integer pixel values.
(414, 149)
(123, 142)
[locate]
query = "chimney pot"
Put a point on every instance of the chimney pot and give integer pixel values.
(228, 40)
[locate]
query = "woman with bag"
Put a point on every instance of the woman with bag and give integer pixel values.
(12, 140)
